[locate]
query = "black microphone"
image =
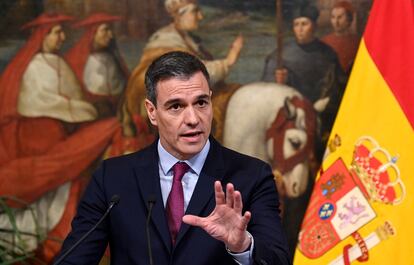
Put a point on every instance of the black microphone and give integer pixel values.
(114, 200)
(151, 201)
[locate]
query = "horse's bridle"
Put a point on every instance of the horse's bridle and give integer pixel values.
(284, 121)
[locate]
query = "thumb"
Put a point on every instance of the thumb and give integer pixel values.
(193, 220)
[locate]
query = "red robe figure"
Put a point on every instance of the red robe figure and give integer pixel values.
(342, 40)
(49, 138)
(97, 63)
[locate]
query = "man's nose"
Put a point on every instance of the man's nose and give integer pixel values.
(191, 116)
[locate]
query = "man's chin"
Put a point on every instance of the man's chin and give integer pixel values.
(190, 149)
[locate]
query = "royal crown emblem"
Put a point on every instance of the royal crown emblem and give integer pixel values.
(342, 196)
(377, 171)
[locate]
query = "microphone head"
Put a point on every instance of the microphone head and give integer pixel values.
(152, 198)
(115, 199)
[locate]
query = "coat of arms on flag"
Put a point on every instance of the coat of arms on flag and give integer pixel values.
(341, 202)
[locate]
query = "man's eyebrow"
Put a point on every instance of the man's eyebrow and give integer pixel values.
(204, 96)
(172, 101)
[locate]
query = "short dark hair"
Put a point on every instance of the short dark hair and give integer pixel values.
(177, 64)
(349, 9)
(307, 10)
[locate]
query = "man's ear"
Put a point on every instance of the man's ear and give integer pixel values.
(151, 111)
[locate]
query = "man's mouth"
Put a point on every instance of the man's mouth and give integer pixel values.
(191, 134)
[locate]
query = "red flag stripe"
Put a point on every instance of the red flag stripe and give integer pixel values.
(389, 37)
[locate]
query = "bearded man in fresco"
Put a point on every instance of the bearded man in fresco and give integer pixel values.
(176, 37)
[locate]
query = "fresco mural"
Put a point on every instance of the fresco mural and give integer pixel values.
(71, 91)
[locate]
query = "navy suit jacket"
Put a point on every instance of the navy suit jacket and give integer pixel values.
(135, 178)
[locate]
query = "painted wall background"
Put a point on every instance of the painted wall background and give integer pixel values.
(223, 21)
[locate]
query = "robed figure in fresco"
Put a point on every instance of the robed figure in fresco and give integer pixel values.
(103, 74)
(98, 64)
(311, 67)
(176, 37)
(342, 40)
(49, 138)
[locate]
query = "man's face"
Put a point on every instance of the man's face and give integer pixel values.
(304, 29)
(183, 115)
(339, 20)
(54, 39)
(103, 36)
(188, 19)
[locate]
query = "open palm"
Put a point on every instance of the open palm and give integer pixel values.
(226, 222)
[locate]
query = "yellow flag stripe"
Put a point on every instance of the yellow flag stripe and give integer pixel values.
(369, 108)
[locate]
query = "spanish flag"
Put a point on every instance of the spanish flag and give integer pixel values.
(362, 203)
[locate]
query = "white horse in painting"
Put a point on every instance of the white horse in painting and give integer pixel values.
(276, 124)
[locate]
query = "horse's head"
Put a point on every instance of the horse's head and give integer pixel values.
(290, 141)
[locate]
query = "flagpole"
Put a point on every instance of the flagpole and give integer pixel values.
(279, 34)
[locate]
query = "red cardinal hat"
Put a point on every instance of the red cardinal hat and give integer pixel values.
(97, 18)
(47, 18)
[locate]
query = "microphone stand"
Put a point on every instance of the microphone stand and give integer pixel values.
(112, 203)
(151, 202)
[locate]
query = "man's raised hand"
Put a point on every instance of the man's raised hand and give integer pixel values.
(226, 223)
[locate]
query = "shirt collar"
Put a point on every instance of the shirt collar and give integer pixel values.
(196, 163)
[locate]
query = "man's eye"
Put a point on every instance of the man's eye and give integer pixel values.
(175, 106)
(202, 103)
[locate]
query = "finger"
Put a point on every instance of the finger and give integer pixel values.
(193, 220)
(230, 195)
(238, 203)
(246, 219)
(218, 190)
(241, 39)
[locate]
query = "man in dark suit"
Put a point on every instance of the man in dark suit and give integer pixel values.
(183, 172)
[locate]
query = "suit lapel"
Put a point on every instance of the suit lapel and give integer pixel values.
(147, 174)
(213, 170)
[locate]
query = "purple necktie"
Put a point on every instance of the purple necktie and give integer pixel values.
(175, 202)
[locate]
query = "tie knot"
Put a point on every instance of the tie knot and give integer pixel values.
(179, 169)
